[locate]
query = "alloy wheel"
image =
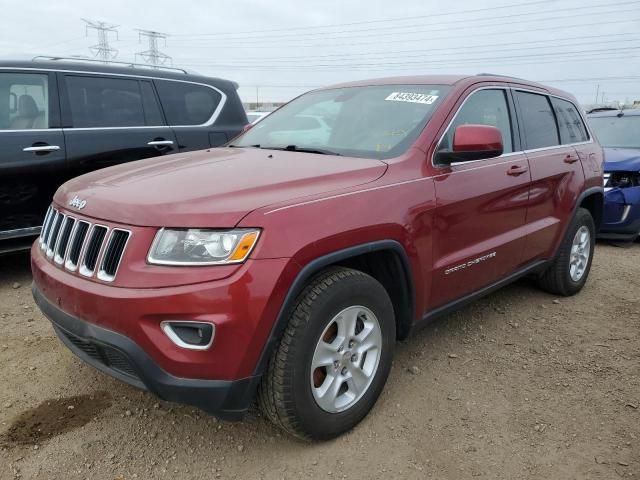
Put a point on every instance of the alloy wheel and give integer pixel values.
(346, 359)
(580, 251)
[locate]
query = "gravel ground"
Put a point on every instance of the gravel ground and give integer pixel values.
(520, 385)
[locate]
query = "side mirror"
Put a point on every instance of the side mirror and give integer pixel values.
(473, 142)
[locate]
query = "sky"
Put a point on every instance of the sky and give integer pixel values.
(278, 50)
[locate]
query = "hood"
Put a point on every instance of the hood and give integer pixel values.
(621, 160)
(210, 188)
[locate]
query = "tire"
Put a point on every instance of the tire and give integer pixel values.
(289, 392)
(558, 278)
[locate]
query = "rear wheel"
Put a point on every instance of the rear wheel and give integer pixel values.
(334, 357)
(569, 271)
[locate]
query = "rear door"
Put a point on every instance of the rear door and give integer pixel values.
(481, 205)
(573, 131)
(32, 150)
(556, 173)
(110, 120)
(192, 110)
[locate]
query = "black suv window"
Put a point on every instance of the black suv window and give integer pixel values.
(24, 101)
(484, 107)
(187, 103)
(105, 102)
(572, 129)
(540, 129)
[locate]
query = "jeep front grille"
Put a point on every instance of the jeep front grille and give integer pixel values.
(113, 254)
(78, 245)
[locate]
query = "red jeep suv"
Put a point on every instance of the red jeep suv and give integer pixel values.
(285, 265)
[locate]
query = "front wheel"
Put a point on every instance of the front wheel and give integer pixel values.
(334, 357)
(568, 272)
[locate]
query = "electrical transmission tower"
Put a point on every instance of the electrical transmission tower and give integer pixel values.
(153, 55)
(102, 49)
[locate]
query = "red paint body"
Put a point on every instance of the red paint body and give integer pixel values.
(308, 205)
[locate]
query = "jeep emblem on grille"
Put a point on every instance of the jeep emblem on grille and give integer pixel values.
(78, 203)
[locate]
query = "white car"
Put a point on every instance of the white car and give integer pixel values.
(255, 117)
(310, 130)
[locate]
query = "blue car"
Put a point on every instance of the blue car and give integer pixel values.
(619, 133)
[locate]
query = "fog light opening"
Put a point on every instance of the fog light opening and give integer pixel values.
(189, 334)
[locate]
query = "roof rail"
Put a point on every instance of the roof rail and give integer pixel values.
(603, 109)
(126, 64)
(485, 74)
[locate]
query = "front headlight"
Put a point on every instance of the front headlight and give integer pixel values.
(202, 247)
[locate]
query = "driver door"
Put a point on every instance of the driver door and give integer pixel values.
(481, 205)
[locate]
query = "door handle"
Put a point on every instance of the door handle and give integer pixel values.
(160, 143)
(517, 170)
(42, 148)
(571, 159)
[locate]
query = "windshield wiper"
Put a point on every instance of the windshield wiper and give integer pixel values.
(291, 148)
(295, 148)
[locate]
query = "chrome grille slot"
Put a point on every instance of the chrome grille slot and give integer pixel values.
(113, 254)
(63, 242)
(55, 231)
(82, 246)
(46, 224)
(52, 220)
(92, 250)
(75, 248)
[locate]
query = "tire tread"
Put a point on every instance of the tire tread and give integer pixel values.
(274, 395)
(554, 280)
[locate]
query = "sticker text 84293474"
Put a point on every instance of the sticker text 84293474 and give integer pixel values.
(412, 97)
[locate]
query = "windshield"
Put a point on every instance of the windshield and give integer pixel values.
(616, 131)
(369, 122)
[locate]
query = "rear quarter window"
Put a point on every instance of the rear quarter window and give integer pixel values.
(187, 103)
(538, 120)
(570, 124)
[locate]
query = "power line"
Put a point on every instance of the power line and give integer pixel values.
(422, 51)
(595, 79)
(577, 80)
(493, 20)
(428, 60)
(102, 49)
(369, 22)
(608, 54)
(153, 55)
(464, 35)
(449, 51)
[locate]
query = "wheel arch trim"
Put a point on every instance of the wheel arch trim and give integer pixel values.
(315, 266)
(588, 193)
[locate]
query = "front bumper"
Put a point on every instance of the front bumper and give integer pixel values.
(123, 359)
(621, 214)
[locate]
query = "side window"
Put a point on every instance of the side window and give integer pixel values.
(572, 129)
(187, 103)
(484, 107)
(540, 129)
(24, 101)
(152, 113)
(105, 102)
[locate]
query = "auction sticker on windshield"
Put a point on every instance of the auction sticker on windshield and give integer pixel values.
(413, 97)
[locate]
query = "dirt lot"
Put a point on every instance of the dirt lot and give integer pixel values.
(519, 385)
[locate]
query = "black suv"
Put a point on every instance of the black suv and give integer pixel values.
(60, 119)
